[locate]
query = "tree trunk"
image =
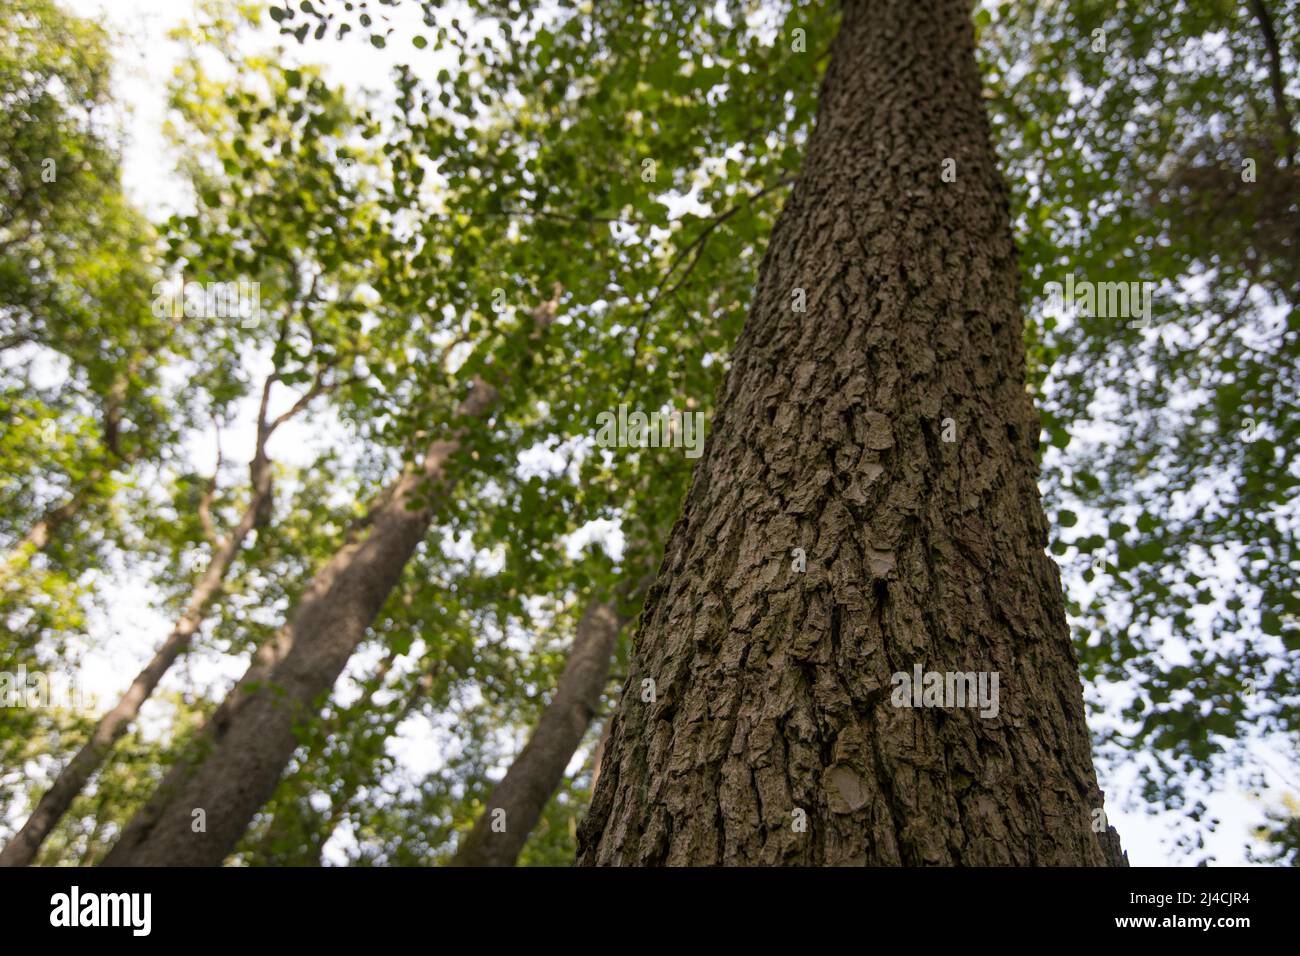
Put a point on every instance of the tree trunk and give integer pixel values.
(770, 733)
(39, 534)
(517, 801)
(244, 746)
(22, 849)
(1277, 83)
(297, 833)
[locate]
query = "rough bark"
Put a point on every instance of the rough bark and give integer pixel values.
(245, 745)
(533, 776)
(772, 688)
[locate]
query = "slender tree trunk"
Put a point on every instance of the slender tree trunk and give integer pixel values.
(39, 534)
(1286, 128)
(517, 801)
(245, 745)
(761, 722)
(22, 849)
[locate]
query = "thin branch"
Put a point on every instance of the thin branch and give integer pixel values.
(205, 503)
(319, 387)
(695, 246)
(282, 333)
(562, 217)
(461, 338)
(1275, 79)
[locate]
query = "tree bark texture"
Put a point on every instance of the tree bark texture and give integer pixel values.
(769, 733)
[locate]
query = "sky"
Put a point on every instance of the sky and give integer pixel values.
(146, 59)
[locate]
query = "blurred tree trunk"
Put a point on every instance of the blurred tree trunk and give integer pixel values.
(297, 833)
(1277, 81)
(26, 843)
(875, 415)
(517, 801)
(244, 747)
(22, 849)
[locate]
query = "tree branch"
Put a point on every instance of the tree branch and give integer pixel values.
(205, 503)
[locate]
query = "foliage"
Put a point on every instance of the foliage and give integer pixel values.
(570, 202)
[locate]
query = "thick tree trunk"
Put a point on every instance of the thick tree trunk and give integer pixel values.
(517, 801)
(244, 747)
(770, 733)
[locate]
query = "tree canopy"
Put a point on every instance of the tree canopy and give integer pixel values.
(569, 203)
